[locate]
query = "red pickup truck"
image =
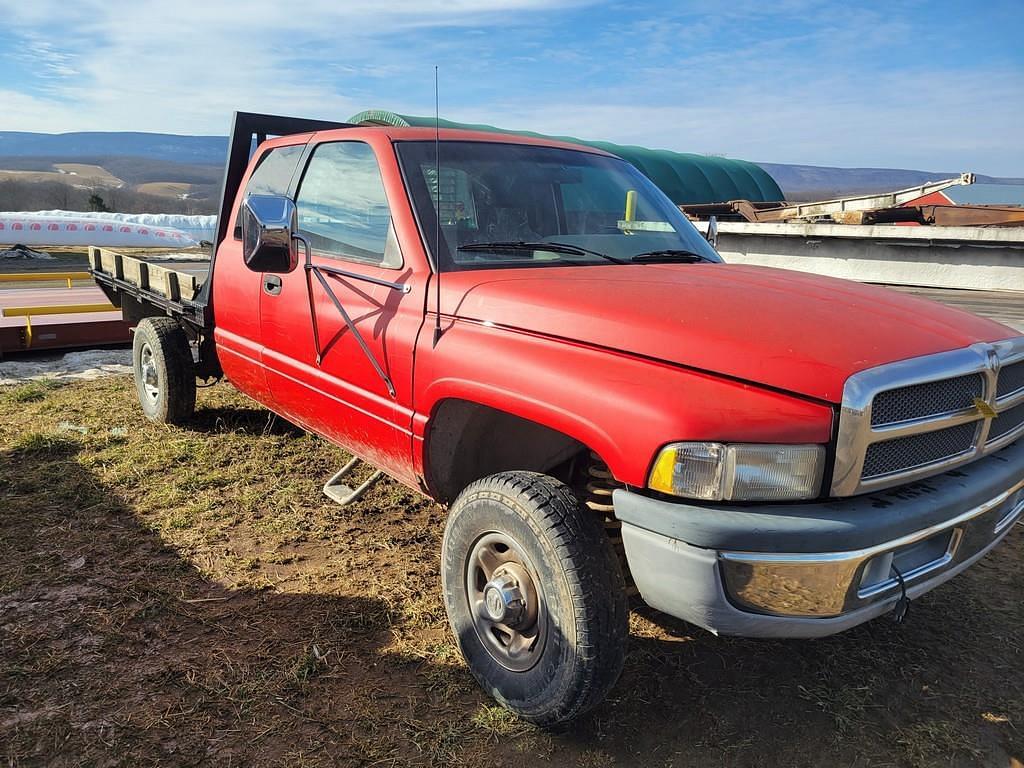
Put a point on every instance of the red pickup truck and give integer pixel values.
(530, 333)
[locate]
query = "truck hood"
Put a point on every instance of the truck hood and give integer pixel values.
(788, 330)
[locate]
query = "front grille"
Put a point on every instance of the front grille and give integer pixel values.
(1006, 422)
(933, 398)
(916, 417)
(904, 453)
(1011, 380)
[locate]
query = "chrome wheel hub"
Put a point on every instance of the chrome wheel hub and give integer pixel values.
(147, 365)
(505, 602)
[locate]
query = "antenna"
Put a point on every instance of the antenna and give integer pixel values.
(437, 210)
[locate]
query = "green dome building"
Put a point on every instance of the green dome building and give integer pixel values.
(687, 179)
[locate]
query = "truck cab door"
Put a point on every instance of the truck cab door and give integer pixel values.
(236, 289)
(348, 380)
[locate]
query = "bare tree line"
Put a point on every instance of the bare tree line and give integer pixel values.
(17, 195)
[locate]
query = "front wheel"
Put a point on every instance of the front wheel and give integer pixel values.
(535, 596)
(165, 376)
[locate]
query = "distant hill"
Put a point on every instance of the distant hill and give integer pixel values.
(202, 150)
(816, 182)
(124, 183)
(170, 159)
(134, 170)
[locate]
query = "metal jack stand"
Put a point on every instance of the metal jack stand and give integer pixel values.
(337, 491)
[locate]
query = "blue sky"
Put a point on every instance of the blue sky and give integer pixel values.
(929, 85)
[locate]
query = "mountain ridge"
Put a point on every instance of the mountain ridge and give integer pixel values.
(182, 148)
(798, 181)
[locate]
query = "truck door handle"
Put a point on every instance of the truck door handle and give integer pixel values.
(272, 284)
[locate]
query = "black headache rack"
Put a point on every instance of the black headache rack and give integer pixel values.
(248, 131)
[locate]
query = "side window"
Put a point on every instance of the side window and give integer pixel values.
(273, 174)
(342, 207)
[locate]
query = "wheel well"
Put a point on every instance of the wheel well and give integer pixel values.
(467, 441)
(208, 365)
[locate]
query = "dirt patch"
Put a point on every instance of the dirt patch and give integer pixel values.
(187, 597)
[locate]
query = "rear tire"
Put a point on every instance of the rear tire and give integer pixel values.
(165, 376)
(535, 596)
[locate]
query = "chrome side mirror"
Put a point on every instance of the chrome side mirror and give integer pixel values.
(268, 222)
(712, 235)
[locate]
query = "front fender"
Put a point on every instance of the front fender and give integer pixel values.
(623, 407)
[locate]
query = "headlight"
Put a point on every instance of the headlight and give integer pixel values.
(739, 472)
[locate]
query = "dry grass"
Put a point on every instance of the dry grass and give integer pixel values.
(93, 174)
(68, 173)
(188, 597)
(164, 188)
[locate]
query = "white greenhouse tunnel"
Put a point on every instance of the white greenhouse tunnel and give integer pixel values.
(135, 230)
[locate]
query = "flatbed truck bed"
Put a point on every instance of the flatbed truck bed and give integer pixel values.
(169, 280)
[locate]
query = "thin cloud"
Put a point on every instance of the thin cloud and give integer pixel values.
(774, 82)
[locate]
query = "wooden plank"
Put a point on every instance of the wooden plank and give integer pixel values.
(136, 272)
(111, 263)
(170, 283)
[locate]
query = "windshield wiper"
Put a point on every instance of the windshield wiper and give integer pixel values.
(523, 245)
(669, 255)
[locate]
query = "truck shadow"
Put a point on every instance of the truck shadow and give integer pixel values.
(116, 648)
(254, 420)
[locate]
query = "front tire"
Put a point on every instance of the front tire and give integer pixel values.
(165, 376)
(535, 596)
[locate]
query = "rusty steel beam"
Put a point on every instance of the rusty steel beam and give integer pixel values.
(938, 215)
(824, 209)
(973, 215)
(735, 210)
(897, 215)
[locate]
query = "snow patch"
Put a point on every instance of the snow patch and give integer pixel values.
(82, 365)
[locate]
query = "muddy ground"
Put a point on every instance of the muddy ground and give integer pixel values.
(187, 597)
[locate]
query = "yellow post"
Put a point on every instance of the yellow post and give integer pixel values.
(42, 277)
(630, 205)
(61, 309)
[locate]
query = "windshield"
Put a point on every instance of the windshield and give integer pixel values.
(500, 204)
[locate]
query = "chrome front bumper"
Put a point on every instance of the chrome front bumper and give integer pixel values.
(834, 583)
(815, 569)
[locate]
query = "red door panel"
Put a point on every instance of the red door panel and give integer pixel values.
(236, 301)
(319, 374)
(236, 288)
(342, 396)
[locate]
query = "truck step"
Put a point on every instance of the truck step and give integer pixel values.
(342, 494)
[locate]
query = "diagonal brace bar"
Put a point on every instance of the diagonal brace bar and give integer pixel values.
(310, 268)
